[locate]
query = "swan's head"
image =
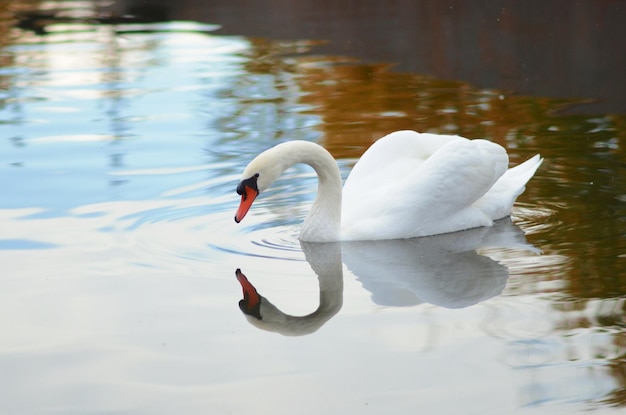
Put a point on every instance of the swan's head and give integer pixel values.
(249, 190)
(257, 177)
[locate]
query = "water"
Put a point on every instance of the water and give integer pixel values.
(121, 149)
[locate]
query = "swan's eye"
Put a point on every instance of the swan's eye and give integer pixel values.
(251, 183)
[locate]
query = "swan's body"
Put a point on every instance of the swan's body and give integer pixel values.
(405, 185)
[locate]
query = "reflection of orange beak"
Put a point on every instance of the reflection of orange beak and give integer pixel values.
(247, 197)
(251, 297)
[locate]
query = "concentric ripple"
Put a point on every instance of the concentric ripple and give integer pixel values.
(264, 237)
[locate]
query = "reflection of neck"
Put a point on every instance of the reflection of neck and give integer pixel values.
(325, 260)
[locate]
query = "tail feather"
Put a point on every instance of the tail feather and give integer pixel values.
(498, 201)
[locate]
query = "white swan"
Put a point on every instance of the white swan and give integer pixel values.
(406, 185)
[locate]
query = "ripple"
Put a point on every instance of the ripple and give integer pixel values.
(533, 218)
(263, 239)
(282, 245)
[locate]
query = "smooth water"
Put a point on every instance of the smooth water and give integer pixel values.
(121, 149)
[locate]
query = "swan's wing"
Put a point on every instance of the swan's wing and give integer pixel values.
(434, 196)
(394, 156)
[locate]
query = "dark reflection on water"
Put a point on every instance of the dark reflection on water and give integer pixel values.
(138, 134)
(504, 44)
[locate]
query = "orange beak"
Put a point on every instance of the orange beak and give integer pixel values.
(251, 298)
(247, 197)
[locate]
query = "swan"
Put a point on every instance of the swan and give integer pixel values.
(406, 185)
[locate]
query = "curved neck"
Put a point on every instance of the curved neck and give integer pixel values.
(323, 222)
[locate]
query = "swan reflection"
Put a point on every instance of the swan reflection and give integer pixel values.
(325, 260)
(445, 270)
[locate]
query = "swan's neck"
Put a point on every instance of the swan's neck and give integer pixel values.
(323, 222)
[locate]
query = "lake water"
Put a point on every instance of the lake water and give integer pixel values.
(121, 148)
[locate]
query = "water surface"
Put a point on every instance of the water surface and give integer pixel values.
(122, 145)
